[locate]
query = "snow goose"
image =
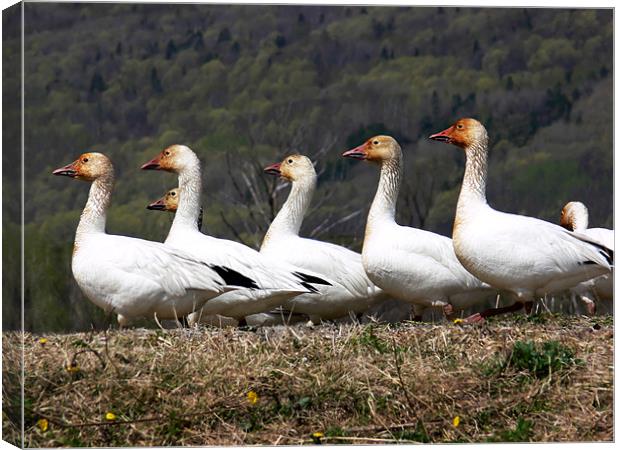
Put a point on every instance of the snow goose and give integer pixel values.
(133, 277)
(352, 290)
(574, 217)
(170, 202)
(413, 265)
(277, 282)
(526, 256)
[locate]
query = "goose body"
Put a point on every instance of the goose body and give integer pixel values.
(528, 256)
(574, 217)
(523, 255)
(269, 283)
(413, 265)
(133, 277)
(170, 202)
(351, 290)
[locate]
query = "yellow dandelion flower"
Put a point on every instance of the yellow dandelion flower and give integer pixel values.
(316, 437)
(72, 368)
(42, 424)
(43, 341)
(110, 416)
(456, 421)
(457, 321)
(252, 397)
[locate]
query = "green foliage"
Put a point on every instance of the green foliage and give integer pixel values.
(418, 434)
(11, 285)
(335, 432)
(541, 362)
(521, 432)
(173, 428)
(537, 360)
(369, 339)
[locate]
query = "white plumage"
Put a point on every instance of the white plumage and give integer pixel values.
(132, 277)
(413, 265)
(351, 290)
(574, 217)
(269, 282)
(523, 255)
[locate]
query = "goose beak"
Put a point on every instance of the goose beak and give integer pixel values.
(359, 152)
(442, 136)
(153, 164)
(273, 169)
(157, 205)
(67, 171)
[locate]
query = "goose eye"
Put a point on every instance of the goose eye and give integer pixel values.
(290, 161)
(167, 153)
(375, 142)
(84, 160)
(460, 126)
(173, 193)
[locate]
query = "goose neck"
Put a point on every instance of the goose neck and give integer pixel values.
(473, 189)
(188, 210)
(384, 204)
(580, 221)
(291, 215)
(93, 218)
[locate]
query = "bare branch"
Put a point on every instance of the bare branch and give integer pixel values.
(232, 228)
(318, 230)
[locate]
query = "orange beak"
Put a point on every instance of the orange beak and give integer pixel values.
(273, 169)
(359, 152)
(443, 136)
(67, 171)
(153, 164)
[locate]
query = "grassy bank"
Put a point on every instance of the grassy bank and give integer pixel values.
(546, 378)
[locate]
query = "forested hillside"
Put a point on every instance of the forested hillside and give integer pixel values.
(246, 85)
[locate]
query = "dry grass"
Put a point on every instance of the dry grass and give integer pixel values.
(352, 383)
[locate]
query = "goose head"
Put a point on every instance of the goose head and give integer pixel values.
(88, 167)
(376, 149)
(175, 158)
(293, 168)
(464, 133)
(169, 202)
(574, 216)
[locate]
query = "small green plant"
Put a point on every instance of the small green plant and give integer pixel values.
(369, 339)
(541, 361)
(335, 431)
(521, 433)
(173, 428)
(535, 359)
(71, 438)
(417, 435)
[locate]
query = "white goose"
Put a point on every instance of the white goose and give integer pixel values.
(276, 282)
(574, 217)
(352, 291)
(128, 276)
(413, 265)
(170, 203)
(523, 255)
